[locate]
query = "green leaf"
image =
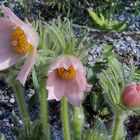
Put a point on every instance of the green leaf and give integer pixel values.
(37, 130)
(96, 101)
(108, 48)
(15, 122)
(97, 132)
(58, 35)
(96, 19)
(90, 73)
(113, 80)
(119, 26)
(107, 51)
(102, 19)
(100, 126)
(33, 132)
(105, 111)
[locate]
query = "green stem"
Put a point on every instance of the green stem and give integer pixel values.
(118, 131)
(77, 122)
(65, 121)
(35, 81)
(22, 105)
(25, 8)
(69, 8)
(44, 111)
(43, 102)
(43, 42)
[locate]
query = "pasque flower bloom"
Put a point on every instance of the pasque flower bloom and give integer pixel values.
(67, 77)
(131, 95)
(18, 41)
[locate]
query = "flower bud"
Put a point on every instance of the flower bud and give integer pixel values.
(131, 95)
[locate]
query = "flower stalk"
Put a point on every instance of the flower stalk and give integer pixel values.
(65, 120)
(42, 95)
(77, 121)
(44, 111)
(118, 130)
(21, 103)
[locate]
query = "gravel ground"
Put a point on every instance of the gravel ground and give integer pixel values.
(8, 104)
(126, 44)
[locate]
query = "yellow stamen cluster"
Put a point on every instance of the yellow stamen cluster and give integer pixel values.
(66, 74)
(19, 42)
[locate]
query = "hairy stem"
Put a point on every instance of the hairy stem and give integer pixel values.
(118, 131)
(21, 103)
(65, 120)
(44, 110)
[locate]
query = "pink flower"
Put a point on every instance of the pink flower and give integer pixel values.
(18, 41)
(67, 77)
(131, 95)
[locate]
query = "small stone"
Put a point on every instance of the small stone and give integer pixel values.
(12, 100)
(20, 122)
(1, 112)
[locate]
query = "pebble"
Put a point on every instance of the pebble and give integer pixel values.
(20, 122)
(94, 54)
(1, 113)
(12, 100)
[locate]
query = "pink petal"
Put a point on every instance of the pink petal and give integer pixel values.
(75, 98)
(29, 62)
(6, 53)
(72, 86)
(55, 86)
(73, 92)
(8, 58)
(6, 24)
(31, 34)
(61, 61)
(131, 96)
(138, 87)
(51, 94)
(75, 89)
(77, 64)
(5, 40)
(81, 80)
(6, 29)
(5, 44)
(5, 35)
(67, 60)
(5, 50)
(88, 88)
(7, 12)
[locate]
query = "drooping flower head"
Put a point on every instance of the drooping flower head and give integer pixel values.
(131, 95)
(18, 41)
(67, 77)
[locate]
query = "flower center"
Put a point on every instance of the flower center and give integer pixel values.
(19, 41)
(66, 74)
